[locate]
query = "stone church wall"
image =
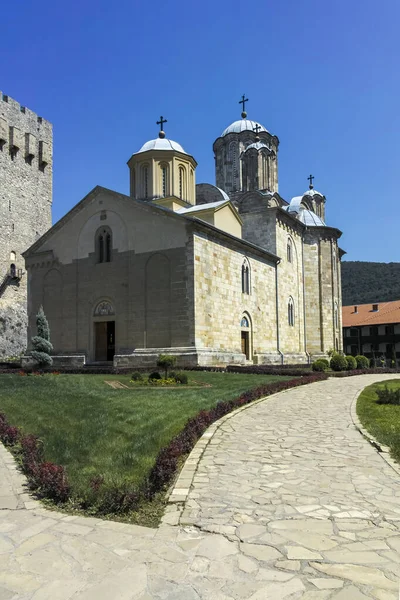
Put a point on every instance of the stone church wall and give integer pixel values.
(220, 303)
(146, 281)
(25, 210)
(290, 286)
(322, 292)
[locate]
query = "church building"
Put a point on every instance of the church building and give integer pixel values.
(214, 274)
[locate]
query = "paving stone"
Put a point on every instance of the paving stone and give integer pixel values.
(326, 584)
(263, 553)
(357, 574)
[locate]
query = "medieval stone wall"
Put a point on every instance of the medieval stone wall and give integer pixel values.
(26, 147)
(220, 303)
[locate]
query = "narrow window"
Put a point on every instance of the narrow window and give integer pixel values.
(181, 182)
(336, 316)
(245, 278)
(291, 312)
(101, 248)
(108, 248)
(146, 182)
(13, 270)
(289, 250)
(9, 205)
(164, 181)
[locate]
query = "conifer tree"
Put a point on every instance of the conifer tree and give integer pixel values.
(41, 342)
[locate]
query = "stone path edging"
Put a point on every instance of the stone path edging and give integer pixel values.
(383, 451)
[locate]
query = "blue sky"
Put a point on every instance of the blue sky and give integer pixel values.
(322, 76)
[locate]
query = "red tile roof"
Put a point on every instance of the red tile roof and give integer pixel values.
(388, 312)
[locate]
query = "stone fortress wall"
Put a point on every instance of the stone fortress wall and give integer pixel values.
(26, 148)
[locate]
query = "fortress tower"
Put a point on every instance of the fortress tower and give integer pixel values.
(26, 148)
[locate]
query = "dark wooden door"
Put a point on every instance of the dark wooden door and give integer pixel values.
(245, 343)
(110, 340)
(100, 333)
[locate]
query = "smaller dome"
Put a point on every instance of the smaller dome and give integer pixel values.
(313, 192)
(309, 218)
(257, 146)
(242, 125)
(161, 144)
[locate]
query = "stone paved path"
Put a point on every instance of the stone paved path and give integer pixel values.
(289, 502)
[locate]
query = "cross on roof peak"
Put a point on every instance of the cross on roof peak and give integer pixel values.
(161, 122)
(310, 179)
(243, 103)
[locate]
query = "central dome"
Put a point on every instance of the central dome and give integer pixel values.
(242, 125)
(161, 144)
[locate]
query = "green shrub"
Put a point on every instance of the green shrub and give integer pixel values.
(351, 362)
(362, 362)
(41, 342)
(320, 365)
(180, 377)
(166, 361)
(387, 396)
(154, 375)
(136, 376)
(338, 362)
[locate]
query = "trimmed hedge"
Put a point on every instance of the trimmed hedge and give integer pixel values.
(351, 363)
(338, 363)
(362, 362)
(320, 365)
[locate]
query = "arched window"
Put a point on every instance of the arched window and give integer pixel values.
(145, 181)
(336, 316)
(182, 183)
(13, 270)
(289, 250)
(13, 256)
(244, 322)
(291, 312)
(245, 277)
(164, 180)
(104, 245)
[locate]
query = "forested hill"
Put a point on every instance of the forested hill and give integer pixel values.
(364, 282)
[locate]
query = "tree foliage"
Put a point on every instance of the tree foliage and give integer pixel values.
(41, 342)
(368, 282)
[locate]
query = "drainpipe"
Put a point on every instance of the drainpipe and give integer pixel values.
(277, 315)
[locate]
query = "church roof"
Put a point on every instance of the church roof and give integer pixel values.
(309, 218)
(313, 192)
(242, 125)
(161, 144)
(199, 207)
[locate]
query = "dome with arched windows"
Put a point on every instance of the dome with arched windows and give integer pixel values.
(243, 125)
(257, 146)
(161, 144)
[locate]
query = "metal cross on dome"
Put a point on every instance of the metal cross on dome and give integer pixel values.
(243, 102)
(310, 179)
(257, 128)
(161, 123)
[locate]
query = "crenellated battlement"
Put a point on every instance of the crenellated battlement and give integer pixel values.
(15, 106)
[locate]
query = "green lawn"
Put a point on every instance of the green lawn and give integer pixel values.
(92, 429)
(381, 420)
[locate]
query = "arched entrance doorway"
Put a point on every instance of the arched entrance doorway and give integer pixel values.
(245, 334)
(104, 331)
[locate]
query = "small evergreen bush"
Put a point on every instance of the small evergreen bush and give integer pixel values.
(166, 361)
(362, 362)
(180, 377)
(387, 396)
(351, 362)
(136, 376)
(338, 362)
(41, 342)
(320, 365)
(154, 375)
